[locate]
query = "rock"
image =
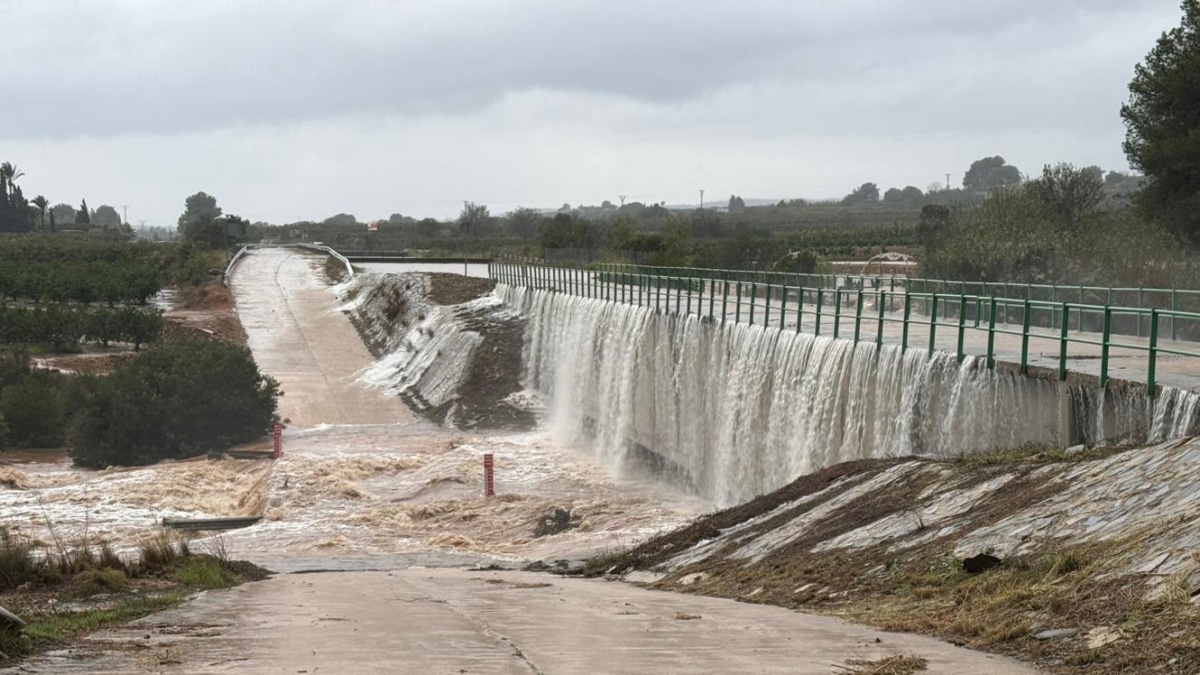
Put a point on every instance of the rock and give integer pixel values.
(7, 617)
(1055, 634)
(1075, 449)
(689, 579)
(980, 563)
(1101, 636)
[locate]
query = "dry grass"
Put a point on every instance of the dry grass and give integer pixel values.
(891, 665)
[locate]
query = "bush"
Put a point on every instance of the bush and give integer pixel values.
(175, 401)
(34, 413)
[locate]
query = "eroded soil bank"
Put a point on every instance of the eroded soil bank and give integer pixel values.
(1081, 562)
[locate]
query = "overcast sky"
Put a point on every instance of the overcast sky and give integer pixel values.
(293, 110)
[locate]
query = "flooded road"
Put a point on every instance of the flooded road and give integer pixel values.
(364, 485)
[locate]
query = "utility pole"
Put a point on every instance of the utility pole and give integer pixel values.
(947, 181)
(125, 209)
(702, 200)
(622, 198)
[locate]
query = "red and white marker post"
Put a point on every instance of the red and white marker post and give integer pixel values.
(489, 485)
(278, 440)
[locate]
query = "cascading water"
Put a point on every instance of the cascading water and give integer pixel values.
(740, 410)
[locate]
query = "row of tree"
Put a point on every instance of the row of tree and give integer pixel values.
(85, 282)
(18, 214)
(63, 326)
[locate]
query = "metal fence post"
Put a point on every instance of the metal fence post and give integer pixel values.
(858, 308)
(1174, 308)
(724, 300)
(907, 315)
(1150, 386)
(1025, 339)
(783, 293)
(820, 301)
(737, 306)
(991, 347)
(1062, 347)
(962, 325)
(753, 297)
(882, 301)
(1104, 344)
(933, 311)
(767, 308)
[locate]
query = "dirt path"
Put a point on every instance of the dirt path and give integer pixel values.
(299, 337)
(458, 621)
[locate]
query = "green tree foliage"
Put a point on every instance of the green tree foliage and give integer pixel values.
(82, 218)
(199, 221)
(15, 215)
(524, 222)
(1162, 120)
(990, 173)
(474, 219)
(341, 220)
(60, 326)
(34, 412)
(175, 401)
(909, 198)
(63, 213)
(1070, 194)
(736, 204)
(866, 194)
(41, 204)
(931, 229)
(108, 281)
(106, 218)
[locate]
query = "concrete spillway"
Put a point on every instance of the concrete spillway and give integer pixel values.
(736, 410)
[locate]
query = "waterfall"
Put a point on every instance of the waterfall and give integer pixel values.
(740, 410)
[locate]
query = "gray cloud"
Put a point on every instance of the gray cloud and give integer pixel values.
(169, 67)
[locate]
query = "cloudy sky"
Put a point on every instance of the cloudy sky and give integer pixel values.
(290, 110)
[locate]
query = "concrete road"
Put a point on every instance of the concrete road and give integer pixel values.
(432, 621)
(299, 337)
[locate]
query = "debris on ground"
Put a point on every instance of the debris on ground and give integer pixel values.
(891, 665)
(560, 521)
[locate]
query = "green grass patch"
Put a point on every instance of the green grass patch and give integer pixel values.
(205, 572)
(50, 629)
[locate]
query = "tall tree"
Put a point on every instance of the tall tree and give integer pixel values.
(8, 177)
(1069, 193)
(106, 218)
(42, 204)
(198, 222)
(1162, 120)
(866, 194)
(474, 218)
(990, 173)
(82, 218)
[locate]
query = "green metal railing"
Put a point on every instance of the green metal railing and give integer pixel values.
(811, 309)
(1166, 299)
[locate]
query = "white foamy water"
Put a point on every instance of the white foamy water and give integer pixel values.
(740, 410)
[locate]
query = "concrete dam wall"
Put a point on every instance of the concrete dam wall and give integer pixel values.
(735, 410)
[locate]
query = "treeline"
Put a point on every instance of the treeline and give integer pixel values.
(61, 327)
(84, 282)
(48, 249)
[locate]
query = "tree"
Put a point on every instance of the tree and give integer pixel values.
(866, 194)
(1069, 193)
(341, 220)
(41, 203)
(8, 178)
(81, 216)
(429, 228)
(34, 412)
(106, 218)
(931, 229)
(177, 400)
(523, 223)
(198, 222)
(473, 219)
(1162, 120)
(990, 173)
(736, 204)
(63, 213)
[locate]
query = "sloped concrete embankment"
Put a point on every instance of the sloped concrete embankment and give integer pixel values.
(1083, 563)
(443, 343)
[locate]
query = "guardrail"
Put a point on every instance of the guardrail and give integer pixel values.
(321, 248)
(1131, 297)
(233, 261)
(786, 306)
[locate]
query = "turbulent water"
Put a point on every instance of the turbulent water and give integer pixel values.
(738, 410)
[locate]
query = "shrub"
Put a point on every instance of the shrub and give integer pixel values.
(175, 401)
(205, 572)
(93, 581)
(34, 413)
